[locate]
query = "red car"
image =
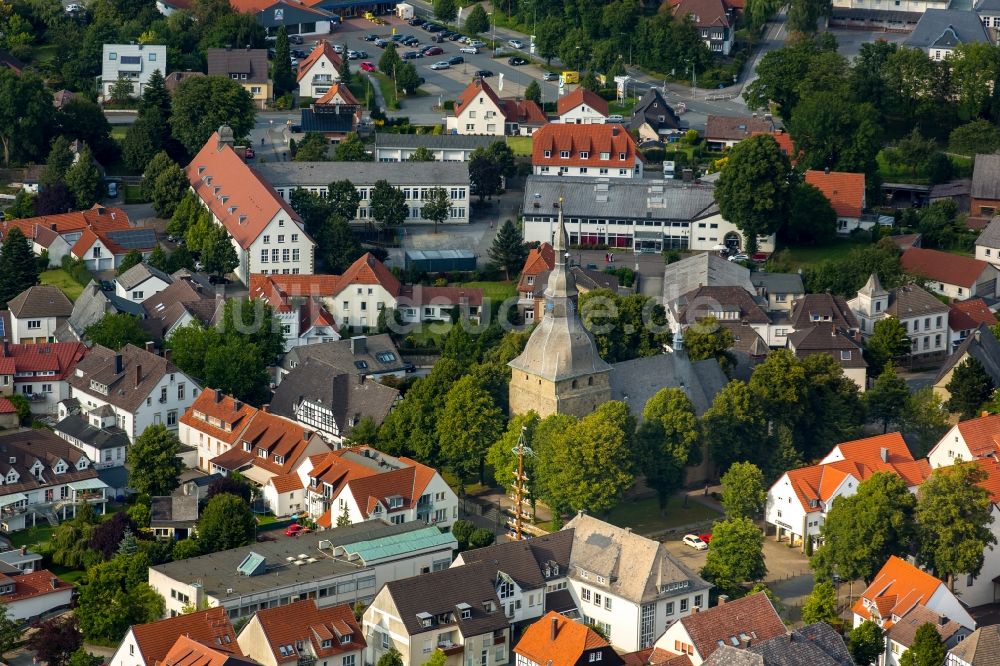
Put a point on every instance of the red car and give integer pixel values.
(434, 50)
(295, 529)
(367, 66)
(707, 537)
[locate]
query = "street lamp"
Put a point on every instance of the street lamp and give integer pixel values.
(694, 76)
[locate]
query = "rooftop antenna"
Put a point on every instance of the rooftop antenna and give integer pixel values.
(520, 479)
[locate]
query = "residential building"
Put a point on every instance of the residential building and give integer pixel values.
(780, 289)
(712, 19)
(168, 7)
(826, 338)
(846, 194)
(413, 178)
(964, 317)
(57, 234)
(96, 434)
(816, 644)
(456, 610)
(39, 372)
(989, 14)
(444, 147)
(105, 250)
(174, 516)
(478, 110)
(174, 79)
(799, 500)
(319, 71)
(902, 17)
(148, 644)
(32, 597)
(141, 388)
(558, 641)
(347, 565)
(922, 315)
(705, 269)
(186, 650)
(940, 31)
(654, 119)
(22, 559)
(534, 279)
(952, 275)
(972, 439)
(986, 187)
(902, 633)
(182, 302)
(523, 117)
(333, 401)
(90, 306)
(898, 588)
(980, 345)
(605, 150)
(334, 115)
(213, 424)
(8, 415)
(36, 313)
(980, 648)
(630, 214)
(726, 304)
(45, 479)
(723, 132)
(140, 282)
(248, 67)
(375, 356)
(297, 302)
(301, 632)
(738, 623)
(132, 62)
(361, 484)
(582, 107)
(988, 243)
(268, 235)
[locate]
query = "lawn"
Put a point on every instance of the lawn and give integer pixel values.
(495, 291)
(118, 132)
(133, 195)
(33, 537)
(809, 255)
(644, 516)
(521, 145)
(622, 109)
(60, 278)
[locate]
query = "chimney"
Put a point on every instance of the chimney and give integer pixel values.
(614, 130)
(264, 408)
(119, 365)
(150, 347)
(52, 226)
(167, 353)
(826, 170)
(55, 583)
(942, 620)
(884, 454)
(225, 137)
(237, 405)
(555, 628)
(695, 609)
(218, 396)
(24, 550)
(138, 375)
(745, 642)
(723, 598)
(359, 345)
(361, 378)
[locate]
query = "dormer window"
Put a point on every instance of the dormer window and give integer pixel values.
(466, 613)
(279, 459)
(584, 154)
(345, 639)
(248, 447)
(262, 453)
(326, 643)
(564, 154)
(548, 153)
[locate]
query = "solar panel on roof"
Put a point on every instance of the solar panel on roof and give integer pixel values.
(133, 239)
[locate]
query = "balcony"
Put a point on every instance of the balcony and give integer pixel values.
(500, 640)
(306, 660)
(452, 649)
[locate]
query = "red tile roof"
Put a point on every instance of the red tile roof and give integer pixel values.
(471, 91)
(188, 652)
(233, 415)
(102, 218)
(753, 615)
(972, 313)
(369, 270)
(540, 260)
(523, 112)
(6, 406)
(302, 621)
(705, 13)
(36, 584)
(234, 192)
(156, 638)
(898, 587)
(572, 640)
(593, 139)
(91, 236)
(322, 48)
(784, 141)
(335, 91)
(580, 96)
(943, 266)
(286, 483)
(981, 435)
(846, 191)
(417, 294)
(274, 434)
(58, 357)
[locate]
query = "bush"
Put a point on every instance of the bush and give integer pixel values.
(76, 270)
(449, 105)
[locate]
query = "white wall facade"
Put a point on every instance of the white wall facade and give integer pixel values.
(140, 292)
(32, 607)
(141, 60)
(480, 116)
(180, 392)
(589, 171)
(458, 194)
(287, 248)
(583, 114)
(389, 154)
(44, 393)
(950, 447)
(319, 78)
(283, 504)
(33, 329)
(128, 652)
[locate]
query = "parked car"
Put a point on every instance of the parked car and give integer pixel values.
(352, 55)
(416, 21)
(73, 8)
(107, 285)
(516, 62)
(381, 43)
(706, 537)
(469, 49)
(397, 38)
(371, 38)
(477, 43)
(295, 529)
(431, 27)
(410, 55)
(295, 39)
(456, 60)
(454, 37)
(338, 48)
(740, 256)
(515, 43)
(362, 54)
(484, 73)
(434, 50)
(298, 53)
(250, 154)
(367, 66)
(112, 189)
(692, 540)
(441, 64)
(615, 118)
(550, 76)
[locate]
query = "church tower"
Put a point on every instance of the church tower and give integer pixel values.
(872, 303)
(560, 371)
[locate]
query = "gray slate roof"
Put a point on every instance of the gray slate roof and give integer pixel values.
(826, 338)
(252, 62)
(92, 304)
(625, 198)
(76, 426)
(123, 392)
(946, 29)
(704, 301)
(348, 355)
(321, 174)
(912, 300)
(435, 142)
(174, 511)
(526, 561)
(650, 108)
(987, 5)
(990, 237)
(703, 270)
(814, 644)
(904, 631)
(638, 380)
(777, 283)
(822, 305)
(983, 346)
(986, 177)
(41, 300)
(139, 273)
(981, 648)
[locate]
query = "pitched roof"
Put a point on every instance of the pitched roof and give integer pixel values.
(303, 621)
(703, 269)
(249, 62)
(323, 48)
(986, 177)
(912, 300)
(947, 28)
(59, 358)
(752, 616)
(943, 266)
(540, 259)
(373, 355)
(705, 13)
(814, 644)
(581, 95)
(166, 308)
(531, 562)
(174, 511)
(655, 111)
(811, 309)
(825, 338)
(286, 483)
(980, 648)
(277, 436)
(733, 128)
(41, 300)
(523, 112)
(218, 415)
(897, 588)
(156, 638)
(369, 270)
(980, 435)
(709, 301)
(78, 427)
(117, 241)
(234, 192)
(338, 91)
(981, 345)
(973, 313)
(471, 91)
(904, 630)
(594, 139)
(138, 274)
(122, 388)
(845, 191)
(186, 651)
(556, 640)
(990, 236)
(785, 144)
(95, 217)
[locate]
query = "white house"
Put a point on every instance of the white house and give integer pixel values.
(140, 282)
(902, 634)
(965, 317)
(30, 597)
(268, 235)
(846, 194)
(582, 107)
(95, 433)
(298, 303)
(148, 644)
(319, 71)
(924, 317)
(133, 62)
(102, 250)
(302, 631)
(939, 31)
(57, 234)
(988, 242)
(952, 275)
(478, 110)
(36, 313)
(972, 439)
(603, 150)
(142, 389)
(39, 372)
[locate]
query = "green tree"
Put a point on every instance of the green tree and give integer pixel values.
(924, 420)
(421, 154)
(158, 164)
(972, 138)
(390, 60)
(811, 218)
(407, 78)
(116, 595)
(342, 247)
(887, 345)
(10, 631)
(927, 648)
(22, 406)
(970, 386)
(55, 640)
(186, 548)
(484, 174)
(501, 458)
(154, 461)
(508, 251)
(23, 206)
(626, 326)
(445, 10)
(168, 190)
(115, 330)
(667, 440)
(887, 398)
(743, 491)
(351, 149)
(343, 199)
(953, 518)
(866, 643)
(388, 205)
(821, 604)
(437, 206)
(227, 522)
(25, 115)
(121, 92)
(18, 267)
(312, 148)
(548, 36)
(533, 92)
(133, 258)
(439, 658)
(390, 658)
(706, 339)
(84, 180)
(477, 21)
(735, 555)
(155, 99)
(59, 161)
(202, 104)
(83, 658)
(158, 259)
(736, 427)
(218, 253)
(200, 232)
(284, 78)
(753, 190)
(468, 424)
(141, 143)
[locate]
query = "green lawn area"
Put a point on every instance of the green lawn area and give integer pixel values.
(644, 516)
(521, 145)
(133, 195)
(622, 109)
(495, 291)
(118, 132)
(41, 54)
(60, 278)
(33, 537)
(807, 255)
(67, 574)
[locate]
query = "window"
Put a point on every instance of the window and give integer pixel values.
(684, 605)
(348, 660)
(34, 324)
(585, 594)
(112, 56)
(584, 154)
(597, 598)
(845, 355)
(263, 256)
(267, 239)
(607, 602)
(172, 417)
(295, 238)
(697, 601)
(548, 153)
(564, 154)
(621, 157)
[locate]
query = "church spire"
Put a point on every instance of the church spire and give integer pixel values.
(561, 286)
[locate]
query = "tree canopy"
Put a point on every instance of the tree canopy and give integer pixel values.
(226, 522)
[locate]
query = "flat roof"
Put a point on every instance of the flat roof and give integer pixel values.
(398, 544)
(417, 255)
(321, 174)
